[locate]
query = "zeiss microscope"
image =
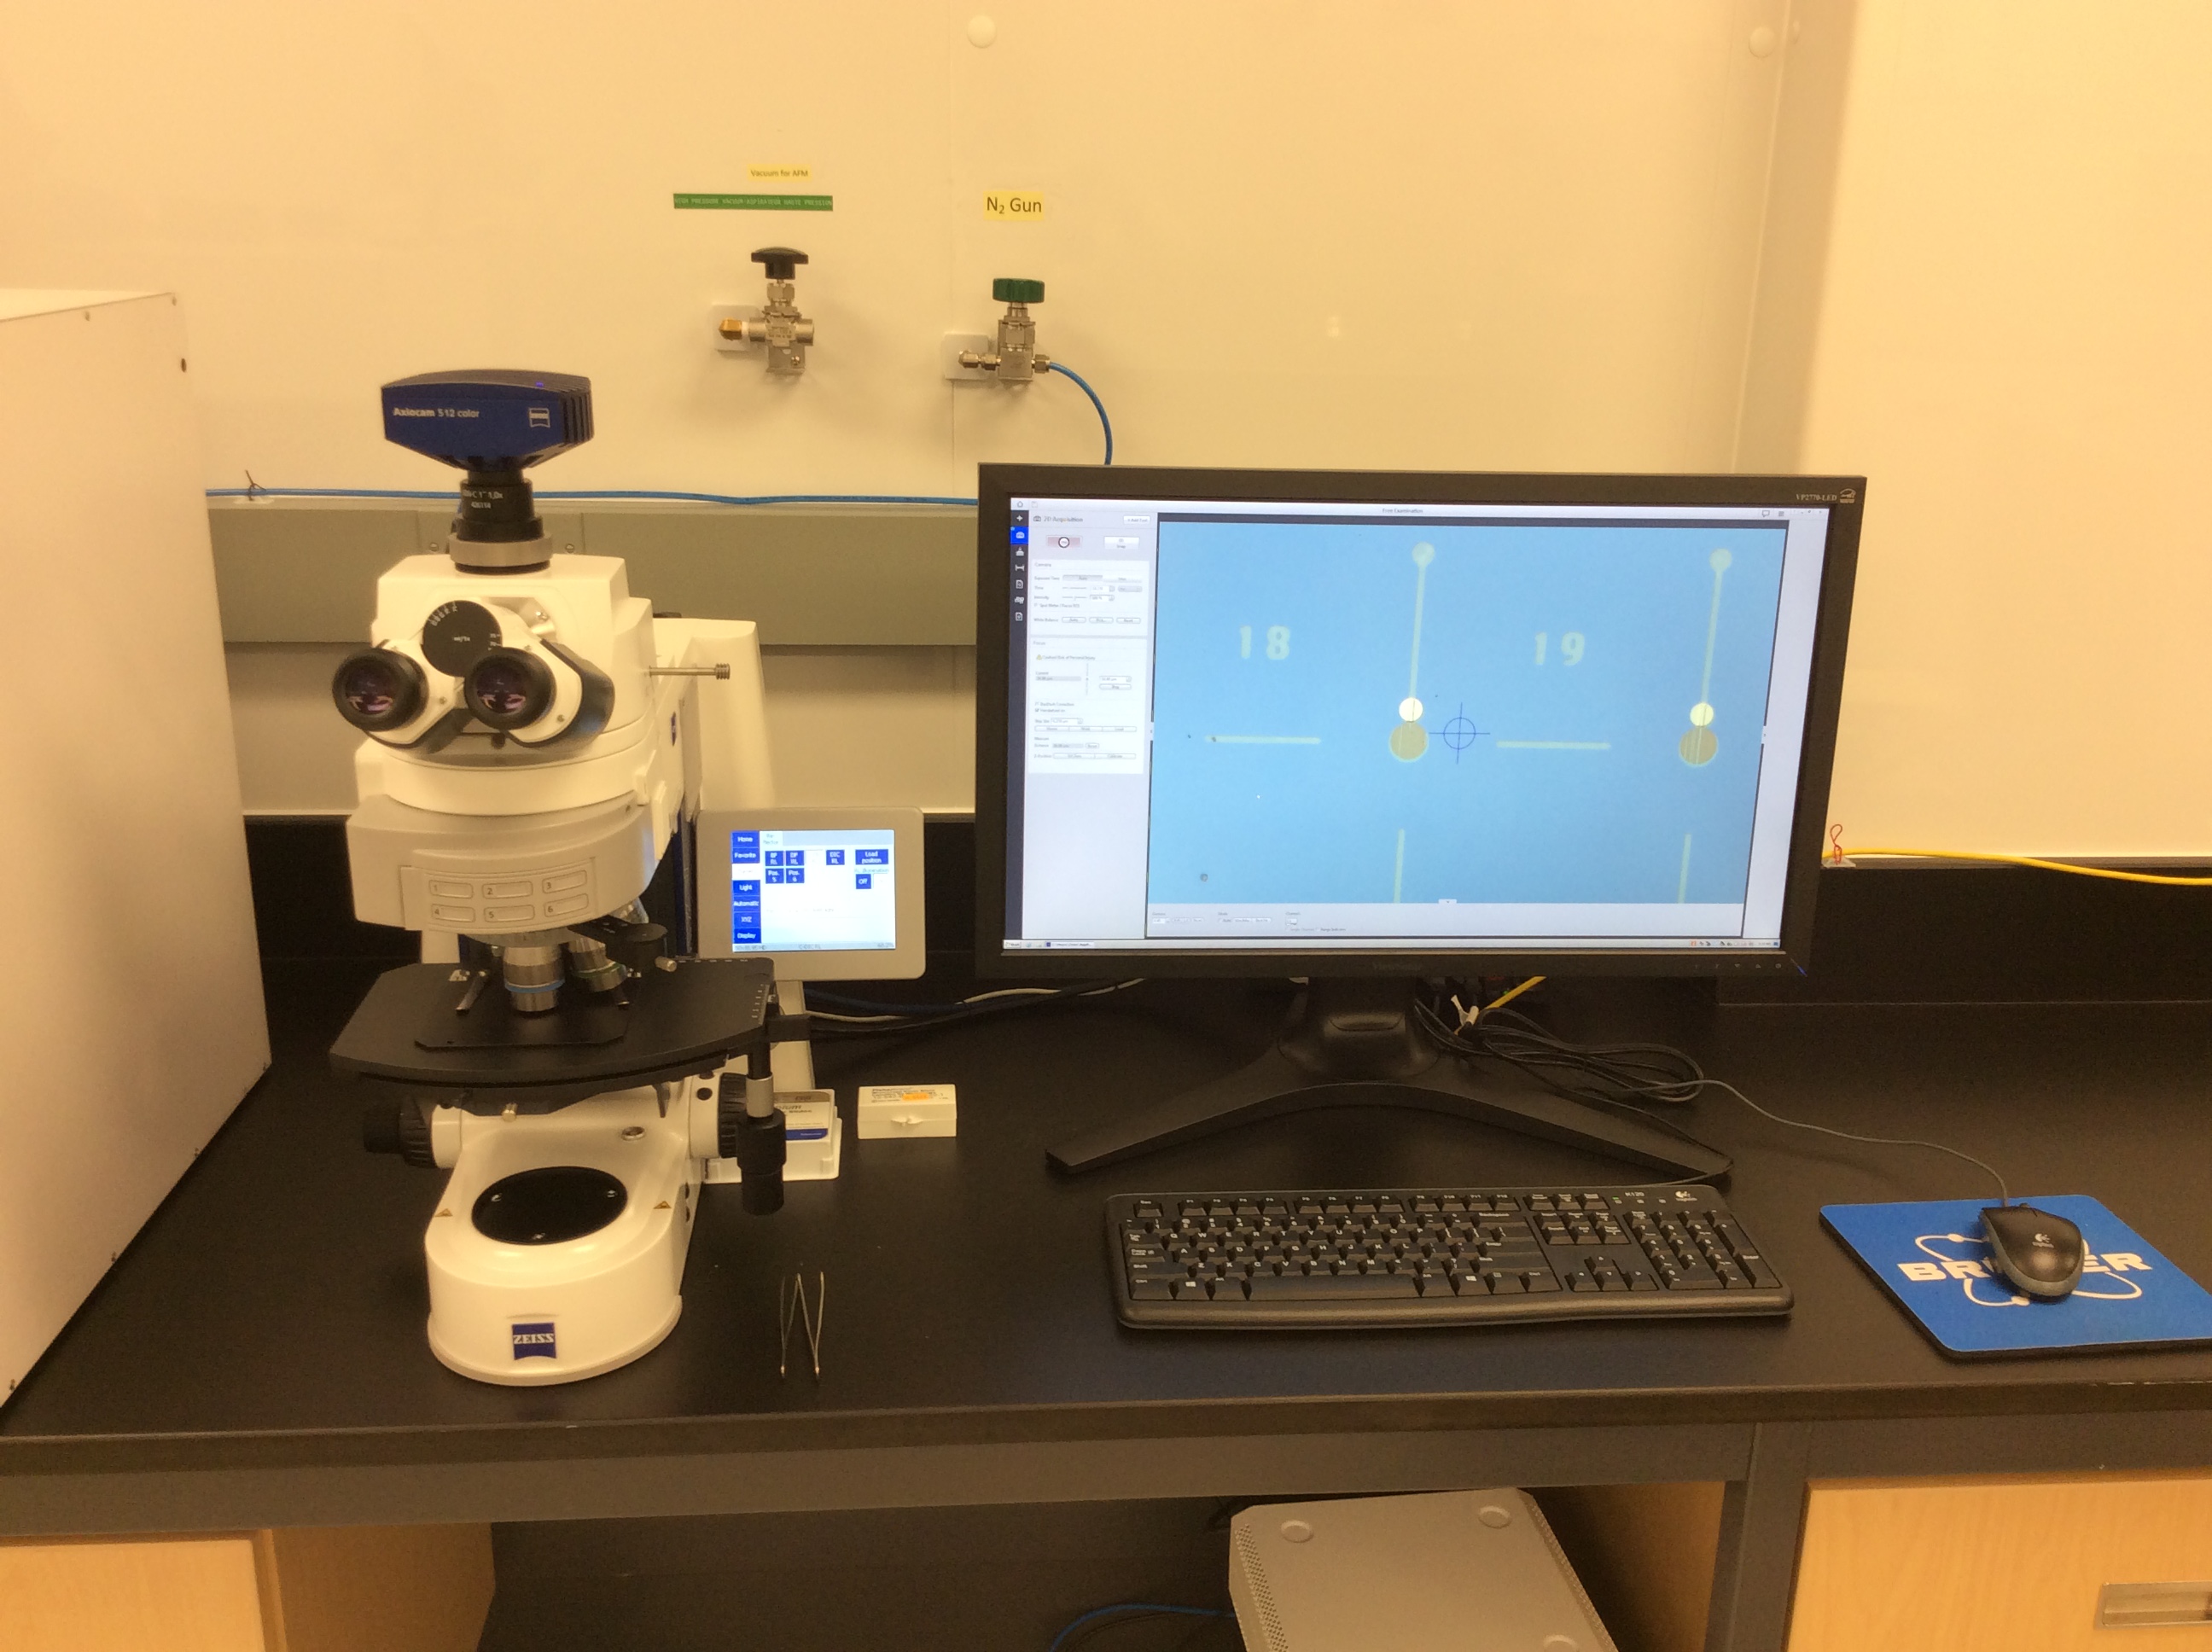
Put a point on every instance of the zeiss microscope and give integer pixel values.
(537, 739)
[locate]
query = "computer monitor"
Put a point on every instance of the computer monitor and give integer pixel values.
(1370, 728)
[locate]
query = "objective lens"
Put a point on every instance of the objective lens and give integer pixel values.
(378, 689)
(507, 689)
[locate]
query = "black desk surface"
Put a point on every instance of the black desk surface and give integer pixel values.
(272, 1312)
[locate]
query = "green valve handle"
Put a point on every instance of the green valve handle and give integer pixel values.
(1012, 290)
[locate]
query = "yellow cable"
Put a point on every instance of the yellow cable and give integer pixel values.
(2023, 860)
(1467, 1017)
(1509, 997)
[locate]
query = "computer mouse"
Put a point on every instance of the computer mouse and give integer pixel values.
(2039, 1252)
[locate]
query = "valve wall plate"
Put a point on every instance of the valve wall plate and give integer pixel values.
(949, 356)
(718, 313)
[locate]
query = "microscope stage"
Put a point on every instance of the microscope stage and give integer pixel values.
(580, 1019)
(411, 1030)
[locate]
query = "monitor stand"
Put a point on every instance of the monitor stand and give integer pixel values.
(1354, 1043)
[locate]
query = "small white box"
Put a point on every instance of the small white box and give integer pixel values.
(907, 1110)
(1479, 1571)
(812, 1138)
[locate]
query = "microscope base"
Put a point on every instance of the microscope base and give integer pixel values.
(513, 1298)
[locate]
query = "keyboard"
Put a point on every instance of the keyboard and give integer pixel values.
(1433, 1256)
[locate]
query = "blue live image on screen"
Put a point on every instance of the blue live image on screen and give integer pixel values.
(794, 891)
(1363, 713)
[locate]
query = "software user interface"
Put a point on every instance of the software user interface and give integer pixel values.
(820, 891)
(1305, 726)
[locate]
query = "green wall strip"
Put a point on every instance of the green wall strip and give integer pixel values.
(753, 203)
(873, 575)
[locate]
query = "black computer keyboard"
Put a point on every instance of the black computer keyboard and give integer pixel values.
(1433, 1256)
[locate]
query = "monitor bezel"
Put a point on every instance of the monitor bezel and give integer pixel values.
(997, 485)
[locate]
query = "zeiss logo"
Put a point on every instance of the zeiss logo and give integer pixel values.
(535, 1341)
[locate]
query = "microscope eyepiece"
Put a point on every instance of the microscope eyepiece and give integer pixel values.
(507, 689)
(377, 689)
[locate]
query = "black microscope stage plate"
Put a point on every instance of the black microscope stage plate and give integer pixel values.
(410, 1031)
(581, 1018)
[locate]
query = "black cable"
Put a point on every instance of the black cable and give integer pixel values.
(1615, 1072)
(1658, 1071)
(1616, 1075)
(927, 1017)
(2004, 1194)
(1198, 1632)
(1123, 1611)
(870, 1008)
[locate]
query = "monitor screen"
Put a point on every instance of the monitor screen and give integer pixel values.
(826, 894)
(1368, 720)
(812, 891)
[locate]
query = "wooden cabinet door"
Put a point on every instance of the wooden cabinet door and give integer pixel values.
(2011, 1565)
(197, 1594)
(345, 1588)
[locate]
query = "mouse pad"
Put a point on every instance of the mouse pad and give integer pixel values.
(1932, 1258)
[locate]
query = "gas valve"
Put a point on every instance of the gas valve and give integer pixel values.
(778, 326)
(1017, 359)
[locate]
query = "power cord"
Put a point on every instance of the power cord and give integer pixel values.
(1083, 385)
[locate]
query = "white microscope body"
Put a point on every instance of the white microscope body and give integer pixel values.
(535, 739)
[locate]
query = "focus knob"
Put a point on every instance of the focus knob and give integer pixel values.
(401, 1129)
(756, 1144)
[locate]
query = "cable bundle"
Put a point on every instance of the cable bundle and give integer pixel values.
(856, 1017)
(1604, 1074)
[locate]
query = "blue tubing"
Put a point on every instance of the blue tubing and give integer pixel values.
(1083, 385)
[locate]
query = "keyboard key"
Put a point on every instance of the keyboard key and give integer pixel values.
(1334, 1287)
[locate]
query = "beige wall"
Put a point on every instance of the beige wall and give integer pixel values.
(2005, 323)
(1277, 231)
(1957, 246)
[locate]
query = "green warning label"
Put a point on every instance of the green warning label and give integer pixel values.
(753, 203)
